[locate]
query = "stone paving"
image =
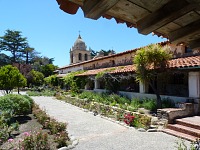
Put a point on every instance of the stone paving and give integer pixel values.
(96, 133)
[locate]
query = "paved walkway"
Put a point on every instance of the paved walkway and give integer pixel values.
(95, 133)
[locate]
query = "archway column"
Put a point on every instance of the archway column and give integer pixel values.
(194, 88)
(87, 86)
(194, 84)
(144, 87)
(96, 84)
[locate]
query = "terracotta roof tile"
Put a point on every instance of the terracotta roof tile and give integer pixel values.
(193, 61)
(118, 69)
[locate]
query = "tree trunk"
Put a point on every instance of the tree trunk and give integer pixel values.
(14, 57)
(26, 57)
(158, 100)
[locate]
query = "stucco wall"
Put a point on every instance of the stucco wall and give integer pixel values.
(71, 69)
(120, 60)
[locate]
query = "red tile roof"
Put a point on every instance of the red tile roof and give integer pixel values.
(187, 62)
(118, 69)
(192, 61)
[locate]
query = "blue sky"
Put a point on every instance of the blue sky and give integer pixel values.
(53, 32)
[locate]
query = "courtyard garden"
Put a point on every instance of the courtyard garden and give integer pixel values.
(102, 104)
(136, 113)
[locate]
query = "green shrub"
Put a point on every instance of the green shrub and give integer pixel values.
(118, 99)
(7, 125)
(135, 103)
(41, 93)
(88, 95)
(168, 103)
(62, 139)
(22, 105)
(149, 104)
(17, 104)
(6, 117)
(33, 141)
(6, 104)
(29, 99)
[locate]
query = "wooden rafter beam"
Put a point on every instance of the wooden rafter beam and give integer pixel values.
(94, 9)
(181, 34)
(168, 13)
(195, 44)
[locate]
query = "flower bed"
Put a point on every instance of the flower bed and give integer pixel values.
(116, 113)
(19, 128)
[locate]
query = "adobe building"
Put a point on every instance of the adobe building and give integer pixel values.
(182, 83)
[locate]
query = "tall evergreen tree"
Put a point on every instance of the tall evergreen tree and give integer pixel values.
(13, 42)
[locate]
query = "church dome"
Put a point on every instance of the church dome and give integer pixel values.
(79, 44)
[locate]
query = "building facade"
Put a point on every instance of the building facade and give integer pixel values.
(180, 83)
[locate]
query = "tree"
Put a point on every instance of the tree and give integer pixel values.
(27, 54)
(92, 53)
(106, 53)
(13, 42)
(149, 61)
(35, 78)
(48, 69)
(10, 78)
(4, 59)
(51, 80)
(38, 63)
(72, 82)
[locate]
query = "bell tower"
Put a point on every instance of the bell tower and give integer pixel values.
(78, 52)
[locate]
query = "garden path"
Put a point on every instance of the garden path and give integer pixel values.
(96, 133)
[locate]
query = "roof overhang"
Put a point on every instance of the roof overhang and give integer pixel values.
(177, 20)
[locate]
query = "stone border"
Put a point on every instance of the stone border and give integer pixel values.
(71, 146)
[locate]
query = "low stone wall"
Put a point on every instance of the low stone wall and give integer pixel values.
(185, 110)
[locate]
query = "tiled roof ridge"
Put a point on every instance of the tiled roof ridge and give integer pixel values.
(190, 61)
(118, 54)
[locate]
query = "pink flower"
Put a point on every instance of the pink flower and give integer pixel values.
(26, 133)
(10, 140)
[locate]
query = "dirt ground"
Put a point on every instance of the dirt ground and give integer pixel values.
(27, 124)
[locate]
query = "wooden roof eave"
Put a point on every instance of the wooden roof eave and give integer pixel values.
(154, 17)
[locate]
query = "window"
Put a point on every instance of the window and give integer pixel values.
(113, 63)
(188, 50)
(71, 58)
(79, 56)
(86, 57)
